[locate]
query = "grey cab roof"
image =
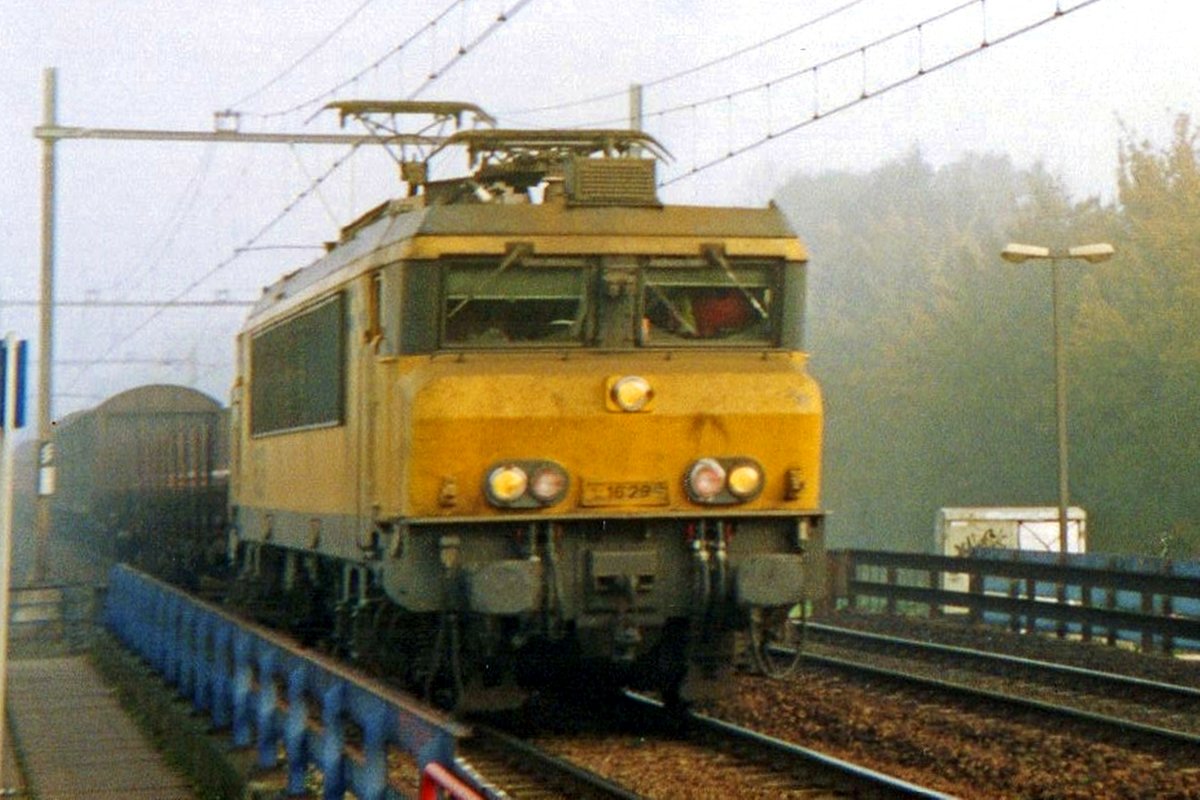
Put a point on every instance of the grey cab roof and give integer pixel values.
(400, 220)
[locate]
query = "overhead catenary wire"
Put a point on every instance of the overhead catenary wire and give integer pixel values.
(728, 95)
(290, 68)
(226, 262)
(922, 69)
(674, 76)
(332, 92)
(429, 28)
(249, 245)
(173, 225)
(465, 49)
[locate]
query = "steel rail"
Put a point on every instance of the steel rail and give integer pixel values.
(561, 777)
(1015, 701)
(1066, 670)
(845, 773)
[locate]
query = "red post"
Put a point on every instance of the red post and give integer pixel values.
(438, 782)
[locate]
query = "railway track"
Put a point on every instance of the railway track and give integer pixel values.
(1128, 705)
(634, 747)
(503, 765)
(812, 768)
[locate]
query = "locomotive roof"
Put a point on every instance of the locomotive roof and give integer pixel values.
(402, 229)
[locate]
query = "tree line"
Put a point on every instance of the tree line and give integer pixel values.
(936, 356)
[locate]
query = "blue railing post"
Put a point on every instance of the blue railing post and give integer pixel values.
(151, 631)
(372, 716)
(331, 755)
(295, 728)
(185, 672)
(266, 708)
(171, 644)
(201, 655)
(222, 678)
(243, 650)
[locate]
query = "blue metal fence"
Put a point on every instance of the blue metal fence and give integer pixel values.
(1101, 596)
(236, 675)
(1149, 601)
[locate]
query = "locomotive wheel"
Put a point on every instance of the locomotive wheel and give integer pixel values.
(673, 662)
(776, 640)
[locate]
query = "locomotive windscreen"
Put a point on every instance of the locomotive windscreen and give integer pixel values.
(490, 307)
(682, 305)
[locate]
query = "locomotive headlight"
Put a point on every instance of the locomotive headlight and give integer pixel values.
(506, 483)
(706, 480)
(631, 393)
(527, 484)
(744, 481)
(724, 481)
(548, 484)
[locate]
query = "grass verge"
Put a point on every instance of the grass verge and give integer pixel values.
(185, 738)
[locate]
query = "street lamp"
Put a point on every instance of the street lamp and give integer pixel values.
(1093, 254)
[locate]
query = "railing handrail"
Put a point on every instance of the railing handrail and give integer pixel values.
(236, 672)
(1026, 600)
(1073, 574)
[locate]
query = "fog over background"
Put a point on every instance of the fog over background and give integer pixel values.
(147, 220)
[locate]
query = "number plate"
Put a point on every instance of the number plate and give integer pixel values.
(624, 493)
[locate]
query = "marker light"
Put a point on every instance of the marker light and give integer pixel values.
(507, 483)
(744, 481)
(548, 484)
(706, 480)
(632, 393)
(724, 481)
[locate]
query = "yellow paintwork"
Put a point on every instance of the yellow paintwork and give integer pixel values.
(272, 480)
(468, 415)
(415, 423)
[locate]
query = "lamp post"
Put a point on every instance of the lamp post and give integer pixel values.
(1093, 254)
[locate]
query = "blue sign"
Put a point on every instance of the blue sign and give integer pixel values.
(19, 378)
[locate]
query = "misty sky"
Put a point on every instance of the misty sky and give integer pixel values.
(147, 220)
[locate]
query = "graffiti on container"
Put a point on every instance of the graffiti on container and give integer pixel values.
(987, 538)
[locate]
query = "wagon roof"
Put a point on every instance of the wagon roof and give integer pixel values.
(159, 399)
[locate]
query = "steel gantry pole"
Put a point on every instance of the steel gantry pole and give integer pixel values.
(45, 483)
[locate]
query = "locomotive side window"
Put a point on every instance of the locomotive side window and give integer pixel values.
(494, 306)
(709, 306)
(297, 371)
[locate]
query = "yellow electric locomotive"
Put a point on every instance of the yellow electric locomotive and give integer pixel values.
(531, 421)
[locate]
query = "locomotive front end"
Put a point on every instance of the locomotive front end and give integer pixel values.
(615, 451)
(678, 508)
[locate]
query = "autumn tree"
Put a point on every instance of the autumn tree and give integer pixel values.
(1137, 342)
(929, 347)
